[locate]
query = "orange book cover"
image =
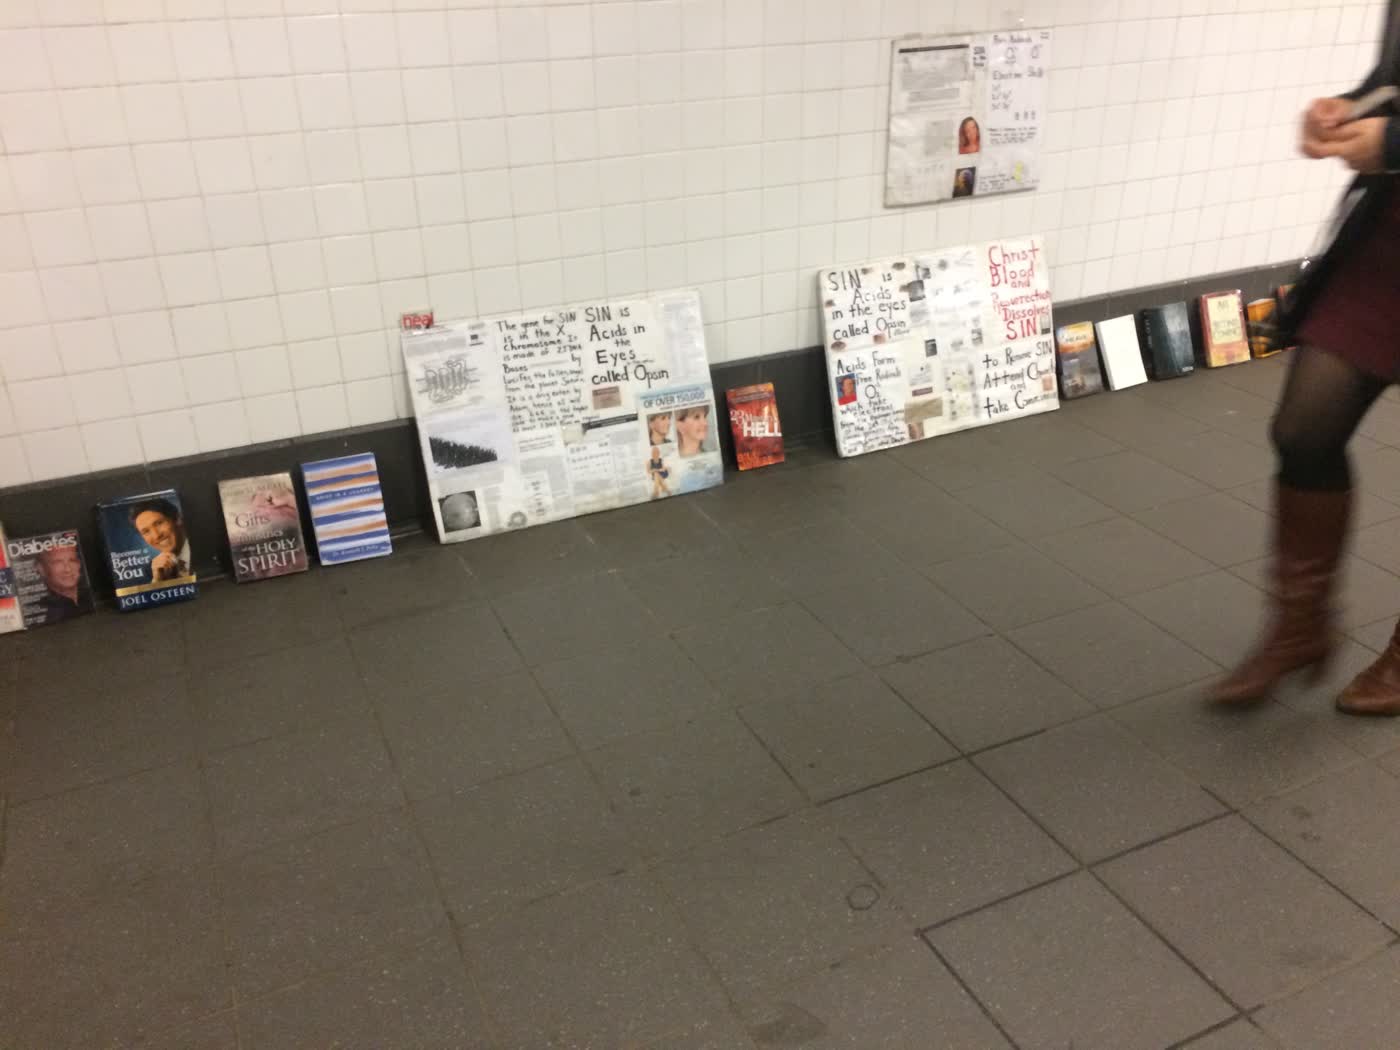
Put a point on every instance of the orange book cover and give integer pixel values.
(1263, 327)
(1223, 329)
(753, 417)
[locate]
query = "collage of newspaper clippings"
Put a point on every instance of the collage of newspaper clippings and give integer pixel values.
(536, 417)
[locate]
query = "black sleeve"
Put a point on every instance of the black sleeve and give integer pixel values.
(1369, 84)
(1391, 152)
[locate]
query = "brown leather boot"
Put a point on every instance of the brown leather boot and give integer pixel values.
(1376, 690)
(1310, 530)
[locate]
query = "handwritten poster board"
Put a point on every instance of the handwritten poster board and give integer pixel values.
(937, 341)
(966, 115)
(536, 417)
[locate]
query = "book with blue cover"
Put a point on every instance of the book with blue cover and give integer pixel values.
(347, 508)
(148, 550)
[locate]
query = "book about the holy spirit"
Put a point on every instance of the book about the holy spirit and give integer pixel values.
(51, 581)
(1223, 331)
(758, 433)
(263, 520)
(11, 619)
(148, 550)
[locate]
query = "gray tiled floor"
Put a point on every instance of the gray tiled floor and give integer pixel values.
(898, 753)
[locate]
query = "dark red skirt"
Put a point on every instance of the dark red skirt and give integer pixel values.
(1356, 315)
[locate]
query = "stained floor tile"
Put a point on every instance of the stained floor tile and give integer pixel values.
(778, 902)
(1097, 789)
(984, 692)
(1358, 1008)
(608, 966)
(947, 841)
(698, 781)
(1068, 965)
(1254, 920)
(846, 735)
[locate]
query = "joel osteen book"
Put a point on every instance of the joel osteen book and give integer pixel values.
(758, 434)
(263, 521)
(51, 580)
(148, 550)
(11, 619)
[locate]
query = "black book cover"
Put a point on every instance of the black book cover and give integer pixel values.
(1171, 352)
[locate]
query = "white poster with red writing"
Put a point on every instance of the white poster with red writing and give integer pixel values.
(939, 341)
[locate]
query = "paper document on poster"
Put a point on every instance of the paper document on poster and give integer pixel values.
(536, 417)
(967, 114)
(937, 341)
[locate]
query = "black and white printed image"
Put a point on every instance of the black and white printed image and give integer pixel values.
(464, 440)
(460, 512)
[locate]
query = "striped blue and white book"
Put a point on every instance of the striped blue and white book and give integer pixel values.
(347, 508)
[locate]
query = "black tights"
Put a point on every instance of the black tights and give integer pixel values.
(1324, 401)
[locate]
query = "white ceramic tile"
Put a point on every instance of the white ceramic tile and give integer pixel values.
(200, 330)
(235, 220)
(165, 170)
(142, 53)
(315, 363)
(254, 323)
(220, 425)
(86, 346)
(55, 453)
(322, 409)
(32, 121)
(144, 337)
(99, 395)
(112, 443)
(167, 435)
(272, 418)
(14, 463)
(213, 109)
(203, 50)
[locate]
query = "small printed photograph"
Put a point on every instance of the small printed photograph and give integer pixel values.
(460, 512)
(969, 136)
(915, 290)
(607, 397)
(695, 431)
(659, 474)
(846, 389)
(659, 428)
(930, 347)
(964, 182)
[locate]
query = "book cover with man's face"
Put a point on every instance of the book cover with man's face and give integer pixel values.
(148, 550)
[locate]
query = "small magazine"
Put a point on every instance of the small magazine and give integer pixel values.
(753, 418)
(1262, 315)
(50, 577)
(347, 509)
(148, 550)
(1078, 360)
(11, 618)
(1223, 331)
(263, 520)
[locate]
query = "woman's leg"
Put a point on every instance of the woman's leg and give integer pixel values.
(1324, 401)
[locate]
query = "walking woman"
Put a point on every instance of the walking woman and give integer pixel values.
(1344, 314)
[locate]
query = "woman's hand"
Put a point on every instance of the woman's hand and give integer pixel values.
(1321, 123)
(1360, 145)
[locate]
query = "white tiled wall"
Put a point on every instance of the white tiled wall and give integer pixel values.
(212, 212)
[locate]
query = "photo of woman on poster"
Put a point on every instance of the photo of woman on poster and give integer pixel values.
(692, 428)
(656, 470)
(659, 428)
(969, 136)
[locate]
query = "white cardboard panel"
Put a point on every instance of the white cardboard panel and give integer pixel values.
(535, 417)
(938, 341)
(967, 115)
